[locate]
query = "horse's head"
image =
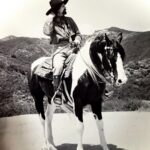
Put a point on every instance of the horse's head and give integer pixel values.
(108, 56)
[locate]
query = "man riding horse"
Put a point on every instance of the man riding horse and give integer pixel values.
(65, 35)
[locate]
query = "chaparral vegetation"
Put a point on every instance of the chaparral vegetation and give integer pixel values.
(17, 54)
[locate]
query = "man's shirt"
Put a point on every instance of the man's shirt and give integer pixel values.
(61, 29)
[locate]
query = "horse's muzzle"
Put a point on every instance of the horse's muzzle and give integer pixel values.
(120, 82)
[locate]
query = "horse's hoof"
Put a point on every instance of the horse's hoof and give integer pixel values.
(105, 148)
(49, 147)
(80, 148)
(44, 147)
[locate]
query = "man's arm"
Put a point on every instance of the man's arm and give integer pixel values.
(48, 26)
(78, 36)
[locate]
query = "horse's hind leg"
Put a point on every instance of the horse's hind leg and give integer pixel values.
(46, 117)
(48, 127)
(40, 109)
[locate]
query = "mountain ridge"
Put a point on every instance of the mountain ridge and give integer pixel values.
(17, 54)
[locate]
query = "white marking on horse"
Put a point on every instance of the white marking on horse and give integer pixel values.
(49, 143)
(80, 129)
(122, 78)
(82, 63)
(79, 66)
(37, 62)
(101, 134)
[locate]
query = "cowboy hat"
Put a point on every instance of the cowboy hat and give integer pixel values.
(55, 5)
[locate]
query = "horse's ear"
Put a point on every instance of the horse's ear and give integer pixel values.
(106, 39)
(119, 37)
(99, 37)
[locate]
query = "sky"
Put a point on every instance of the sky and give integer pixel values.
(27, 17)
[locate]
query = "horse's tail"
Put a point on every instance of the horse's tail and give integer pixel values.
(36, 92)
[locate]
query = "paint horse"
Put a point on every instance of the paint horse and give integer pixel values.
(99, 57)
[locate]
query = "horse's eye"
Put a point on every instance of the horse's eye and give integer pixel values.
(111, 51)
(106, 47)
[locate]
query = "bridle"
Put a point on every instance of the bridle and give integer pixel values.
(108, 72)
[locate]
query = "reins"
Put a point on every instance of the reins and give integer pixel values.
(101, 76)
(98, 74)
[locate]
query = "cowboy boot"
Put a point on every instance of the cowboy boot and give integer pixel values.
(57, 91)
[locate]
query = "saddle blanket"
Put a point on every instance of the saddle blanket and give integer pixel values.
(45, 69)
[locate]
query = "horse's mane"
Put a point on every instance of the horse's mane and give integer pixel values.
(85, 55)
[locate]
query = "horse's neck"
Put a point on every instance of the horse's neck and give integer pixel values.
(79, 67)
(84, 63)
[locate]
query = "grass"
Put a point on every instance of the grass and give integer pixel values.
(126, 105)
(24, 104)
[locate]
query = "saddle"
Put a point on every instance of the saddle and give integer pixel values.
(45, 69)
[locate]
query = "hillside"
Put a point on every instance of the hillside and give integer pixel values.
(17, 54)
(135, 94)
(136, 44)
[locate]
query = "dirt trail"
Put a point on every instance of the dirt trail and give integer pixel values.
(124, 131)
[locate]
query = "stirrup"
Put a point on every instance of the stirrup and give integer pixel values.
(57, 98)
(57, 101)
(109, 94)
(68, 108)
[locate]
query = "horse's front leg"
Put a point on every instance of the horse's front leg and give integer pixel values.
(80, 127)
(96, 108)
(99, 123)
(49, 143)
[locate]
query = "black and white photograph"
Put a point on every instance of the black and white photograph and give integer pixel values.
(74, 75)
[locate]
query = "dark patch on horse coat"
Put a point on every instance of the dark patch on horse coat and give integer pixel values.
(87, 92)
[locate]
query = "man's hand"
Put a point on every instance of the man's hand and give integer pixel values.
(75, 50)
(75, 46)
